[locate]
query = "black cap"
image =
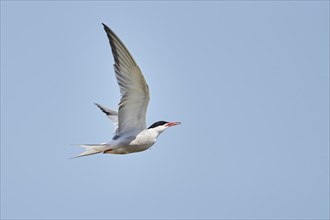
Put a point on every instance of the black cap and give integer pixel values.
(158, 123)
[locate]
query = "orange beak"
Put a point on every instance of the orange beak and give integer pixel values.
(170, 124)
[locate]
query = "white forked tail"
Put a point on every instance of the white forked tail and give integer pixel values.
(93, 149)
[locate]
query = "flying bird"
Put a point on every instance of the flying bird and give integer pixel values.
(131, 134)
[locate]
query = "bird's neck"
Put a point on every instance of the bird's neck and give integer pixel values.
(155, 132)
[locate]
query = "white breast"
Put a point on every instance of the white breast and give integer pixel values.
(142, 141)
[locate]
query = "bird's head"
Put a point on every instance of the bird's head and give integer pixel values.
(161, 126)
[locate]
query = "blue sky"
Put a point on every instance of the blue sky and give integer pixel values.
(248, 79)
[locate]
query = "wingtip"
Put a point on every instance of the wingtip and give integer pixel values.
(99, 106)
(105, 27)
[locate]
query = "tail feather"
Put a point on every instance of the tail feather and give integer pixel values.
(91, 149)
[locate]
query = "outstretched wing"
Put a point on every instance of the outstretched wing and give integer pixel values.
(133, 88)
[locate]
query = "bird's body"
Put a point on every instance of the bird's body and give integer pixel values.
(133, 143)
(131, 134)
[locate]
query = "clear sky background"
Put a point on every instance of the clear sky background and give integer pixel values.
(248, 79)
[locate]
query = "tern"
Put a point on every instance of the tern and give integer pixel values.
(131, 134)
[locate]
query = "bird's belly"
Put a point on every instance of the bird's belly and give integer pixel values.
(127, 149)
(139, 143)
(134, 146)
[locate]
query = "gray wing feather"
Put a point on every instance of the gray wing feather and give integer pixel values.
(133, 87)
(112, 114)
